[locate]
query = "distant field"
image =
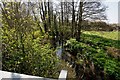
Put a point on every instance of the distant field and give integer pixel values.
(110, 35)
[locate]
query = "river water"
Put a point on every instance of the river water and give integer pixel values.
(59, 52)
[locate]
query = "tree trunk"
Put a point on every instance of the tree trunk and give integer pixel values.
(73, 19)
(80, 21)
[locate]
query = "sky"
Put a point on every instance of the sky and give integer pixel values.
(112, 10)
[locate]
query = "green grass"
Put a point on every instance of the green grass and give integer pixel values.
(109, 35)
(99, 47)
(100, 41)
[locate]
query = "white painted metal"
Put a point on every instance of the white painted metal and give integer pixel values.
(63, 75)
(5, 74)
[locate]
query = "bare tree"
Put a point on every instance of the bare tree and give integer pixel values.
(90, 10)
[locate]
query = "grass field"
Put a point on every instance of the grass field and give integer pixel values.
(100, 47)
(108, 40)
(114, 35)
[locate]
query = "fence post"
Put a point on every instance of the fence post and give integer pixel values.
(63, 75)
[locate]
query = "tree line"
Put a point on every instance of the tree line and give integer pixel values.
(55, 19)
(31, 31)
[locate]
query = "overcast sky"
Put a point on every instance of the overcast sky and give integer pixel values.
(112, 11)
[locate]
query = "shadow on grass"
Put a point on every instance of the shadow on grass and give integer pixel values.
(100, 40)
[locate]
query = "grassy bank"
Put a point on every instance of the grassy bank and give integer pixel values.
(109, 35)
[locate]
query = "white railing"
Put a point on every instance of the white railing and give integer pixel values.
(17, 76)
(63, 75)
